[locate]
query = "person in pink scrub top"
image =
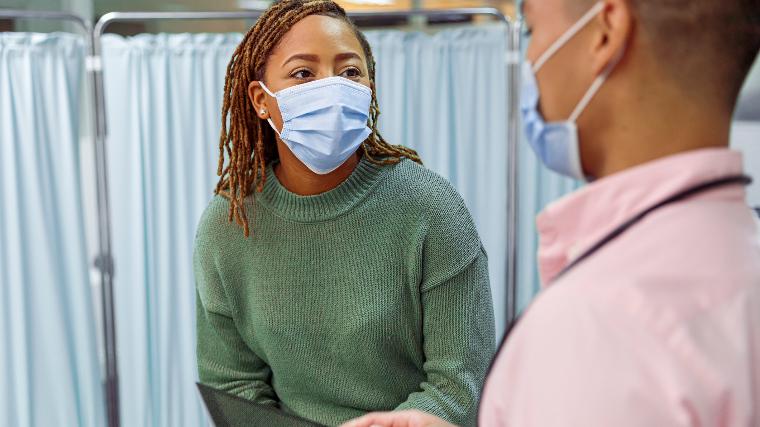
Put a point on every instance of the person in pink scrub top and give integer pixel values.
(650, 308)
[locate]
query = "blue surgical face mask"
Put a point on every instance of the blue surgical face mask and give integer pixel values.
(556, 143)
(324, 121)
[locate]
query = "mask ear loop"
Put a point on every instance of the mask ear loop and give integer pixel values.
(269, 119)
(598, 82)
(569, 34)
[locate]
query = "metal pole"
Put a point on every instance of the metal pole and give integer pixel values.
(112, 17)
(433, 13)
(104, 261)
(513, 142)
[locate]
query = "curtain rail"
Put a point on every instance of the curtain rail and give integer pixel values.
(112, 17)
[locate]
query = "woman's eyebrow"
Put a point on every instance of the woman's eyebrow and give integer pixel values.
(347, 55)
(303, 57)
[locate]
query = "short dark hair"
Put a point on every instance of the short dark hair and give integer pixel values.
(710, 43)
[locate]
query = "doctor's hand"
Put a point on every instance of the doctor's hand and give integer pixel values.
(410, 418)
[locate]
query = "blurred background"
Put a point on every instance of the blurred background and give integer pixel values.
(444, 87)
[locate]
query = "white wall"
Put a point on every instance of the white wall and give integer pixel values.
(746, 137)
(748, 107)
(745, 134)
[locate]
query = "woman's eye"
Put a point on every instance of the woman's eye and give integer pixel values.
(302, 74)
(351, 73)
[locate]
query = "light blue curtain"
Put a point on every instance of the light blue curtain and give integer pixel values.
(163, 99)
(49, 367)
(444, 95)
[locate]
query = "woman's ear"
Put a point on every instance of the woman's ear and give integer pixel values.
(615, 24)
(258, 98)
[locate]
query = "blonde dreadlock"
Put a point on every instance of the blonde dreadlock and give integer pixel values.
(249, 143)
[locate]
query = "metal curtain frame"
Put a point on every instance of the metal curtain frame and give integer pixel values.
(513, 119)
(112, 17)
(514, 60)
(103, 261)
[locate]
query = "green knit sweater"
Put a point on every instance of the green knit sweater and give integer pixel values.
(372, 296)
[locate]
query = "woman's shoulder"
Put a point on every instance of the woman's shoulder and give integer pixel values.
(214, 226)
(424, 187)
(451, 240)
(433, 198)
(215, 215)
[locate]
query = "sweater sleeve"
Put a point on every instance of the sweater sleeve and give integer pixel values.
(224, 359)
(458, 329)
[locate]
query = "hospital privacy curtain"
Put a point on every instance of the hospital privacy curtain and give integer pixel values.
(49, 368)
(163, 104)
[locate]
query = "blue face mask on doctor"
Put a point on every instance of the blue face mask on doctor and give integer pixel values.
(556, 143)
(324, 121)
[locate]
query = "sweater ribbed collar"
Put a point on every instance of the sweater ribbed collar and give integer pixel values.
(324, 206)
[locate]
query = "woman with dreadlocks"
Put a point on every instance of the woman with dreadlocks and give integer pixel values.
(335, 275)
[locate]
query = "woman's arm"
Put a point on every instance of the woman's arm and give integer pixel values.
(225, 362)
(224, 359)
(459, 342)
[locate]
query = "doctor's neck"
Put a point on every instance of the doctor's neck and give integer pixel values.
(675, 88)
(644, 118)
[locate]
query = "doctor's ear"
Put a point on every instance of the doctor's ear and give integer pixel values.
(258, 98)
(615, 28)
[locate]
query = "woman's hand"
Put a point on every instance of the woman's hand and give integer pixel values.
(412, 418)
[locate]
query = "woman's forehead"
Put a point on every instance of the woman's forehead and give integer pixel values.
(319, 34)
